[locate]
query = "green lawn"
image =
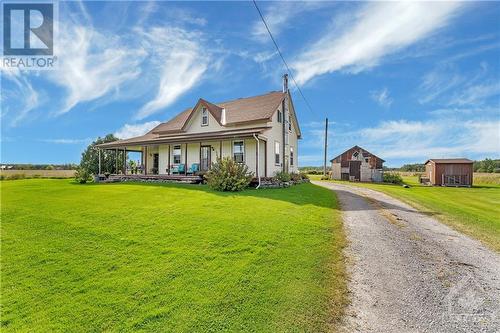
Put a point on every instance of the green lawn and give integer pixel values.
(126, 257)
(474, 211)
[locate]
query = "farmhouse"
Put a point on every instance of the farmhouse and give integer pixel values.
(261, 132)
(449, 172)
(357, 164)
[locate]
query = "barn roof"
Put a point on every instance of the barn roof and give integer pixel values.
(449, 160)
(365, 153)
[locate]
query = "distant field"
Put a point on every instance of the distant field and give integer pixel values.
(474, 211)
(7, 174)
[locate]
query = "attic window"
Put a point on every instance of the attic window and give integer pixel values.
(204, 117)
(280, 116)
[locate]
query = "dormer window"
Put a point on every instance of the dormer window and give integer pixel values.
(204, 117)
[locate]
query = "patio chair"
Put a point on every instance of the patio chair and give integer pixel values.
(178, 169)
(194, 168)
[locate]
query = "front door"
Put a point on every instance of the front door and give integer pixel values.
(156, 158)
(205, 152)
(355, 169)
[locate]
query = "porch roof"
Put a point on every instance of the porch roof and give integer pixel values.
(150, 138)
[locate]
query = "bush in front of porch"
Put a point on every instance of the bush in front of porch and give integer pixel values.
(228, 175)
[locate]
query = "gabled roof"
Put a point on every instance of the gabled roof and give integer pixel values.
(241, 110)
(365, 153)
(237, 111)
(450, 160)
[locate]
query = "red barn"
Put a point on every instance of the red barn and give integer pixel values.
(449, 172)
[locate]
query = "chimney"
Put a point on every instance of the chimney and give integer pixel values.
(285, 83)
(223, 117)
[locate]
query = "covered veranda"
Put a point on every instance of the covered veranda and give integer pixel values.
(184, 157)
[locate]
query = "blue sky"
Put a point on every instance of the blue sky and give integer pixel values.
(406, 81)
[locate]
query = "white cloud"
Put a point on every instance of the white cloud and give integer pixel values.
(91, 64)
(446, 85)
(434, 138)
(404, 140)
(133, 130)
(382, 97)
(377, 30)
(180, 60)
(475, 94)
(279, 16)
(21, 101)
(67, 141)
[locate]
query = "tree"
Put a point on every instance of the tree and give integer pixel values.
(90, 157)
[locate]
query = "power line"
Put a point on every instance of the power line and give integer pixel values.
(282, 57)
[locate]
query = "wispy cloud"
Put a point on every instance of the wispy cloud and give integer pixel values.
(280, 15)
(67, 141)
(181, 61)
(476, 94)
(91, 64)
(20, 102)
(382, 97)
(375, 30)
(133, 130)
(445, 85)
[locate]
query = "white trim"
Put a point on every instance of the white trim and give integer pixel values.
(244, 150)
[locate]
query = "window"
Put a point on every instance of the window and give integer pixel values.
(177, 154)
(355, 155)
(239, 151)
(291, 156)
(280, 116)
(289, 123)
(276, 152)
(204, 117)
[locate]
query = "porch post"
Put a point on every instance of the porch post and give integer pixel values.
(124, 160)
(145, 160)
(168, 165)
(99, 151)
(220, 148)
(186, 160)
(265, 158)
(116, 160)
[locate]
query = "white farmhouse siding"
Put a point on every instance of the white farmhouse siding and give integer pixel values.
(244, 119)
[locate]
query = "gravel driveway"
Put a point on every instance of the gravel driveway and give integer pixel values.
(410, 273)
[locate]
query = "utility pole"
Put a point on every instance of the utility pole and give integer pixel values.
(326, 146)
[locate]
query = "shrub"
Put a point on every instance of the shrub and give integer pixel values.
(82, 175)
(325, 178)
(227, 175)
(17, 176)
(296, 177)
(282, 176)
(393, 178)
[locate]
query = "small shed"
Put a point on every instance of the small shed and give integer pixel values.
(449, 172)
(357, 164)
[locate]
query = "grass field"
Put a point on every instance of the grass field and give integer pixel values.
(474, 211)
(126, 257)
(7, 174)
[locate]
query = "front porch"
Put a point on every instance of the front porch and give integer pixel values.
(191, 179)
(180, 161)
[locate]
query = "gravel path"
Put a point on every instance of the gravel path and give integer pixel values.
(410, 273)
